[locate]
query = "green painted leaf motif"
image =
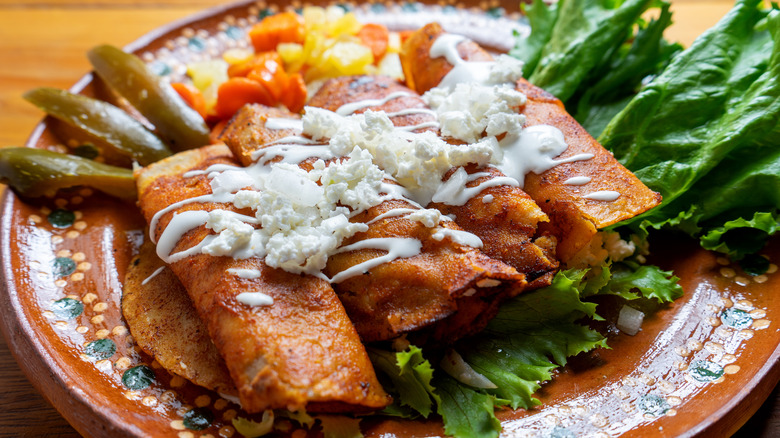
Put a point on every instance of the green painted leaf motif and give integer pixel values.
(234, 32)
(61, 218)
(196, 44)
(198, 419)
(63, 266)
(411, 7)
(100, 349)
(138, 377)
(653, 405)
(160, 68)
(561, 432)
(496, 12)
(736, 318)
(67, 308)
(705, 371)
(264, 13)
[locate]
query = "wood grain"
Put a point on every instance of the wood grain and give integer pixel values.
(44, 43)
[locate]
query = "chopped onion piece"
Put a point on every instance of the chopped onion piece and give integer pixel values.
(630, 320)
(454, 365)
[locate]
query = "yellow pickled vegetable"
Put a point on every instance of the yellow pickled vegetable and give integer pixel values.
(349, 58)
(207, 76)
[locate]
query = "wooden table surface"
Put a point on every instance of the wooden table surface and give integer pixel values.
(43, 42)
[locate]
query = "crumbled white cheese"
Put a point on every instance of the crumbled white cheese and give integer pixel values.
(617, 248)
(506, 70)
(429, 217)
(418, 161)
(303, 216)
(471, 109)
(604, 245)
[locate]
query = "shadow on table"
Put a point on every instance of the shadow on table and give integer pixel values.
(766, 421)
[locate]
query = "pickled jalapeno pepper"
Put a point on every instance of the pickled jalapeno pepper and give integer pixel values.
(181, 126)
(38, 172)
(102, 120)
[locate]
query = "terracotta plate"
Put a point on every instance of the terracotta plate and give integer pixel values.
(699, 367)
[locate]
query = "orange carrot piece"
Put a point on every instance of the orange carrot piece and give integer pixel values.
(294, 97)
(269, 71)
(286, 27)
(237, 92)
(404, 35)
(375, 37)
(242, 69)
(192, 97)
(216, 131)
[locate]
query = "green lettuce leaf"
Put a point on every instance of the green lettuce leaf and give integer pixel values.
(741, 236)
(594, 55)
(616, 82)
(531, 335)
(466, 412)
(631, 280)
(528, 48)
(339, 426)
(703, 133)
(410, 376)
(586, 33)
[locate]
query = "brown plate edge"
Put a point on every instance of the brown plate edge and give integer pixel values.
(727, 420)
(40, 368)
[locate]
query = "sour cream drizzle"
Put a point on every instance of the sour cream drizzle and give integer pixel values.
(458, 236)
(153, 274)
(396, 212)
(411, 111)
(353, 107)
(532, 149)
(446, 46)
(577, 181)
(278, 123)
(254, 299)
(396, 248)
(455, 192)
(244, 273)
(422, 125)
(604, 195)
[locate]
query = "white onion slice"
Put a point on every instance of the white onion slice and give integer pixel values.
(630, 320)
(453, 364)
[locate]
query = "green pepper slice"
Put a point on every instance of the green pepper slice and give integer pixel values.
(181, 126)
(102, 120)
(38, 172)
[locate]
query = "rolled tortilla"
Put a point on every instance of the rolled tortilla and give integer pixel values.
(507, 224)
(405, 294)
(576, 211)
(300, 352)
(159, 314)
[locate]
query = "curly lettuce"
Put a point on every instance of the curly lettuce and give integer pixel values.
(532, 335)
